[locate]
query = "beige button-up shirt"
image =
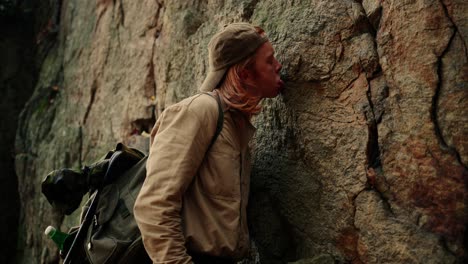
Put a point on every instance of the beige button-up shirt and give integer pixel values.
(193, 199)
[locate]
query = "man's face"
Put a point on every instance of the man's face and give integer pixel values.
(265, 75)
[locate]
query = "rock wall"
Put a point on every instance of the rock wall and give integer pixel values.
(17, 77)
(361, 160)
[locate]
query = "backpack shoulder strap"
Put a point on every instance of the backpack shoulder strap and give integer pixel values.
(219, 124)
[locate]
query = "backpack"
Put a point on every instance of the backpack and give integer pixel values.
(108, 232)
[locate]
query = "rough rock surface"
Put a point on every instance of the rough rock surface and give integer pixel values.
(17, 77)
(361, 160)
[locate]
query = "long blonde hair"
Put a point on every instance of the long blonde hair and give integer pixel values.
(238, 94)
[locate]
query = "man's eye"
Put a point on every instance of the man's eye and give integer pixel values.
(270, 59)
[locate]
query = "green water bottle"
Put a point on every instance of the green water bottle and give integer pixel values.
(57, 236)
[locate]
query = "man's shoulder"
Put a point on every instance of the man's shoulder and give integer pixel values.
(203, 105)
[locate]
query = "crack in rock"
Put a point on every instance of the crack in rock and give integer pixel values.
(94, 88)
(435, 99)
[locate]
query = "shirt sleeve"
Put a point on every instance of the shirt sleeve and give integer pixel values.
(177, 150)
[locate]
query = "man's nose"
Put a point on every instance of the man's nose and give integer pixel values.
(278, 67)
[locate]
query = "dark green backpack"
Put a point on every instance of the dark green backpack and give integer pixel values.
(108, 232)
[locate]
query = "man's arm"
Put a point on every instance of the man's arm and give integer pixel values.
(176, 153)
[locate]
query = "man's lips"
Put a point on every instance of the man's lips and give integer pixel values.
(280, 84)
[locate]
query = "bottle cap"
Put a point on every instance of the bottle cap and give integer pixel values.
(49, 230)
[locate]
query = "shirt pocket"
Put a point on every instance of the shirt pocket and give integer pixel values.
(220, 174)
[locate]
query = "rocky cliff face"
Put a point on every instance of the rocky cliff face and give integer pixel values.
(361, 160)
(17, 77)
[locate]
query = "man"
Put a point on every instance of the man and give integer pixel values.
(192, 206)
